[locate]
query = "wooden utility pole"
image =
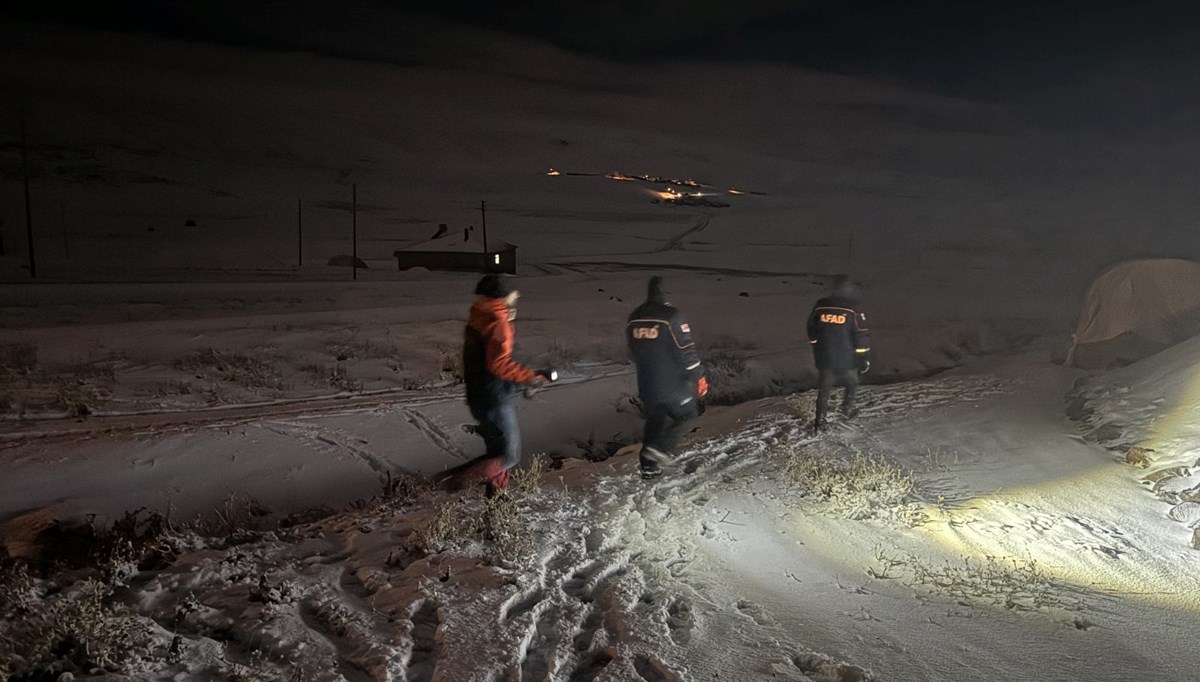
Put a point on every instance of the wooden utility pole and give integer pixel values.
(299, 233)
(354, 229)
(66, 244)
(28, 212)
(483, 217)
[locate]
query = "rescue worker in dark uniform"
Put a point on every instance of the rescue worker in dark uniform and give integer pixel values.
(671, 381)
(841, 342)
(493, 378)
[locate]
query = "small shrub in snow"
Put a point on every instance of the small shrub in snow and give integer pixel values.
(940, 459)
(19, 357)
(239, 368)
(451, 523)
(1138, 457)
(502, 522)
(237, 516)
(1011, 583)
(560, 355)
(46, 631)
(340, 379)
(499, 521)
(403, 488)
(135, 542)
(723, 369)
(452, 364)
(112, 555)
(860, 488)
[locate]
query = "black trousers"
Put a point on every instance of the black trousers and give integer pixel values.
(830, 378)
(664, 427)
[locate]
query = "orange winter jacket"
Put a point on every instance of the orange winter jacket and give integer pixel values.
(490, 373)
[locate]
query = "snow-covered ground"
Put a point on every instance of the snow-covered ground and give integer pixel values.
(1027, 553)
(1027, 549)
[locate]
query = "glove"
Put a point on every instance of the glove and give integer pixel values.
(702, 387)
(550, 375)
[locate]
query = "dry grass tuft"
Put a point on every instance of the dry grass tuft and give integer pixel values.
(723, 370)
(236, 518)
(560, 356)
(451, 364)
(500, 521)
(1138, 457)
(861, 487)
(1011, 583)
(243, 369)
(46, 631)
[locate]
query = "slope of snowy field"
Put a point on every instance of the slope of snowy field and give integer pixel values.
(1148, 414)
(1022, 553)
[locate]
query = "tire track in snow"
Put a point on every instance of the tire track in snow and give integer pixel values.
(677, 241)
(331, 441)
(432, 432)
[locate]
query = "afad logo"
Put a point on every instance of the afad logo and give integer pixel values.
(832, 318)
(645, 332)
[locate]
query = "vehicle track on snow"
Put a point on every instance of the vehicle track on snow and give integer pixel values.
(13, 434)
(432, 431)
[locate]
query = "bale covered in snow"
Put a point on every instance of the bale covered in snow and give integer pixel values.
(1135, 309)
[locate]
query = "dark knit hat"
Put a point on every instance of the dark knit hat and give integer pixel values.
(654, 290)
(492, 286)
(844, 286)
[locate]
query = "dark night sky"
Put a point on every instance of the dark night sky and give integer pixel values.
(962, 46)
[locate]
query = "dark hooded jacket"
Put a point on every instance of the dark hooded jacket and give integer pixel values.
(838, 331)
(660, 341)
(489, 371)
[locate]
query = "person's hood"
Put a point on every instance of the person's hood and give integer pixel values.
(654, 290)
(493, 286)
(846, 289)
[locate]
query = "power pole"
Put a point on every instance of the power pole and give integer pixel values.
(483, 216)
(299, 233)
(66, 244)
(28, 212)
(354, 229)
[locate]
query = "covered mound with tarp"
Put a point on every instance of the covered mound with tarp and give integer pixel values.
(1135, 309)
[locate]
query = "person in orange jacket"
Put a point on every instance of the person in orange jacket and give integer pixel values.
(493, 378)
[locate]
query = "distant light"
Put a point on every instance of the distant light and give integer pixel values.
(497, 259)
(553, 172)
(734, 190)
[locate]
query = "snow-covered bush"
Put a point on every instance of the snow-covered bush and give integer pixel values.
(244, 369)
(1009, 582)
(499, 522)
(452, 364)
(236, 517)
(862, 487)
(45, 630)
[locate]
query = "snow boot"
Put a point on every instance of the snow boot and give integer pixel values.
(651, 474)
(655, 455)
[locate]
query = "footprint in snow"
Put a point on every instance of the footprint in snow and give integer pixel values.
(754, 612)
